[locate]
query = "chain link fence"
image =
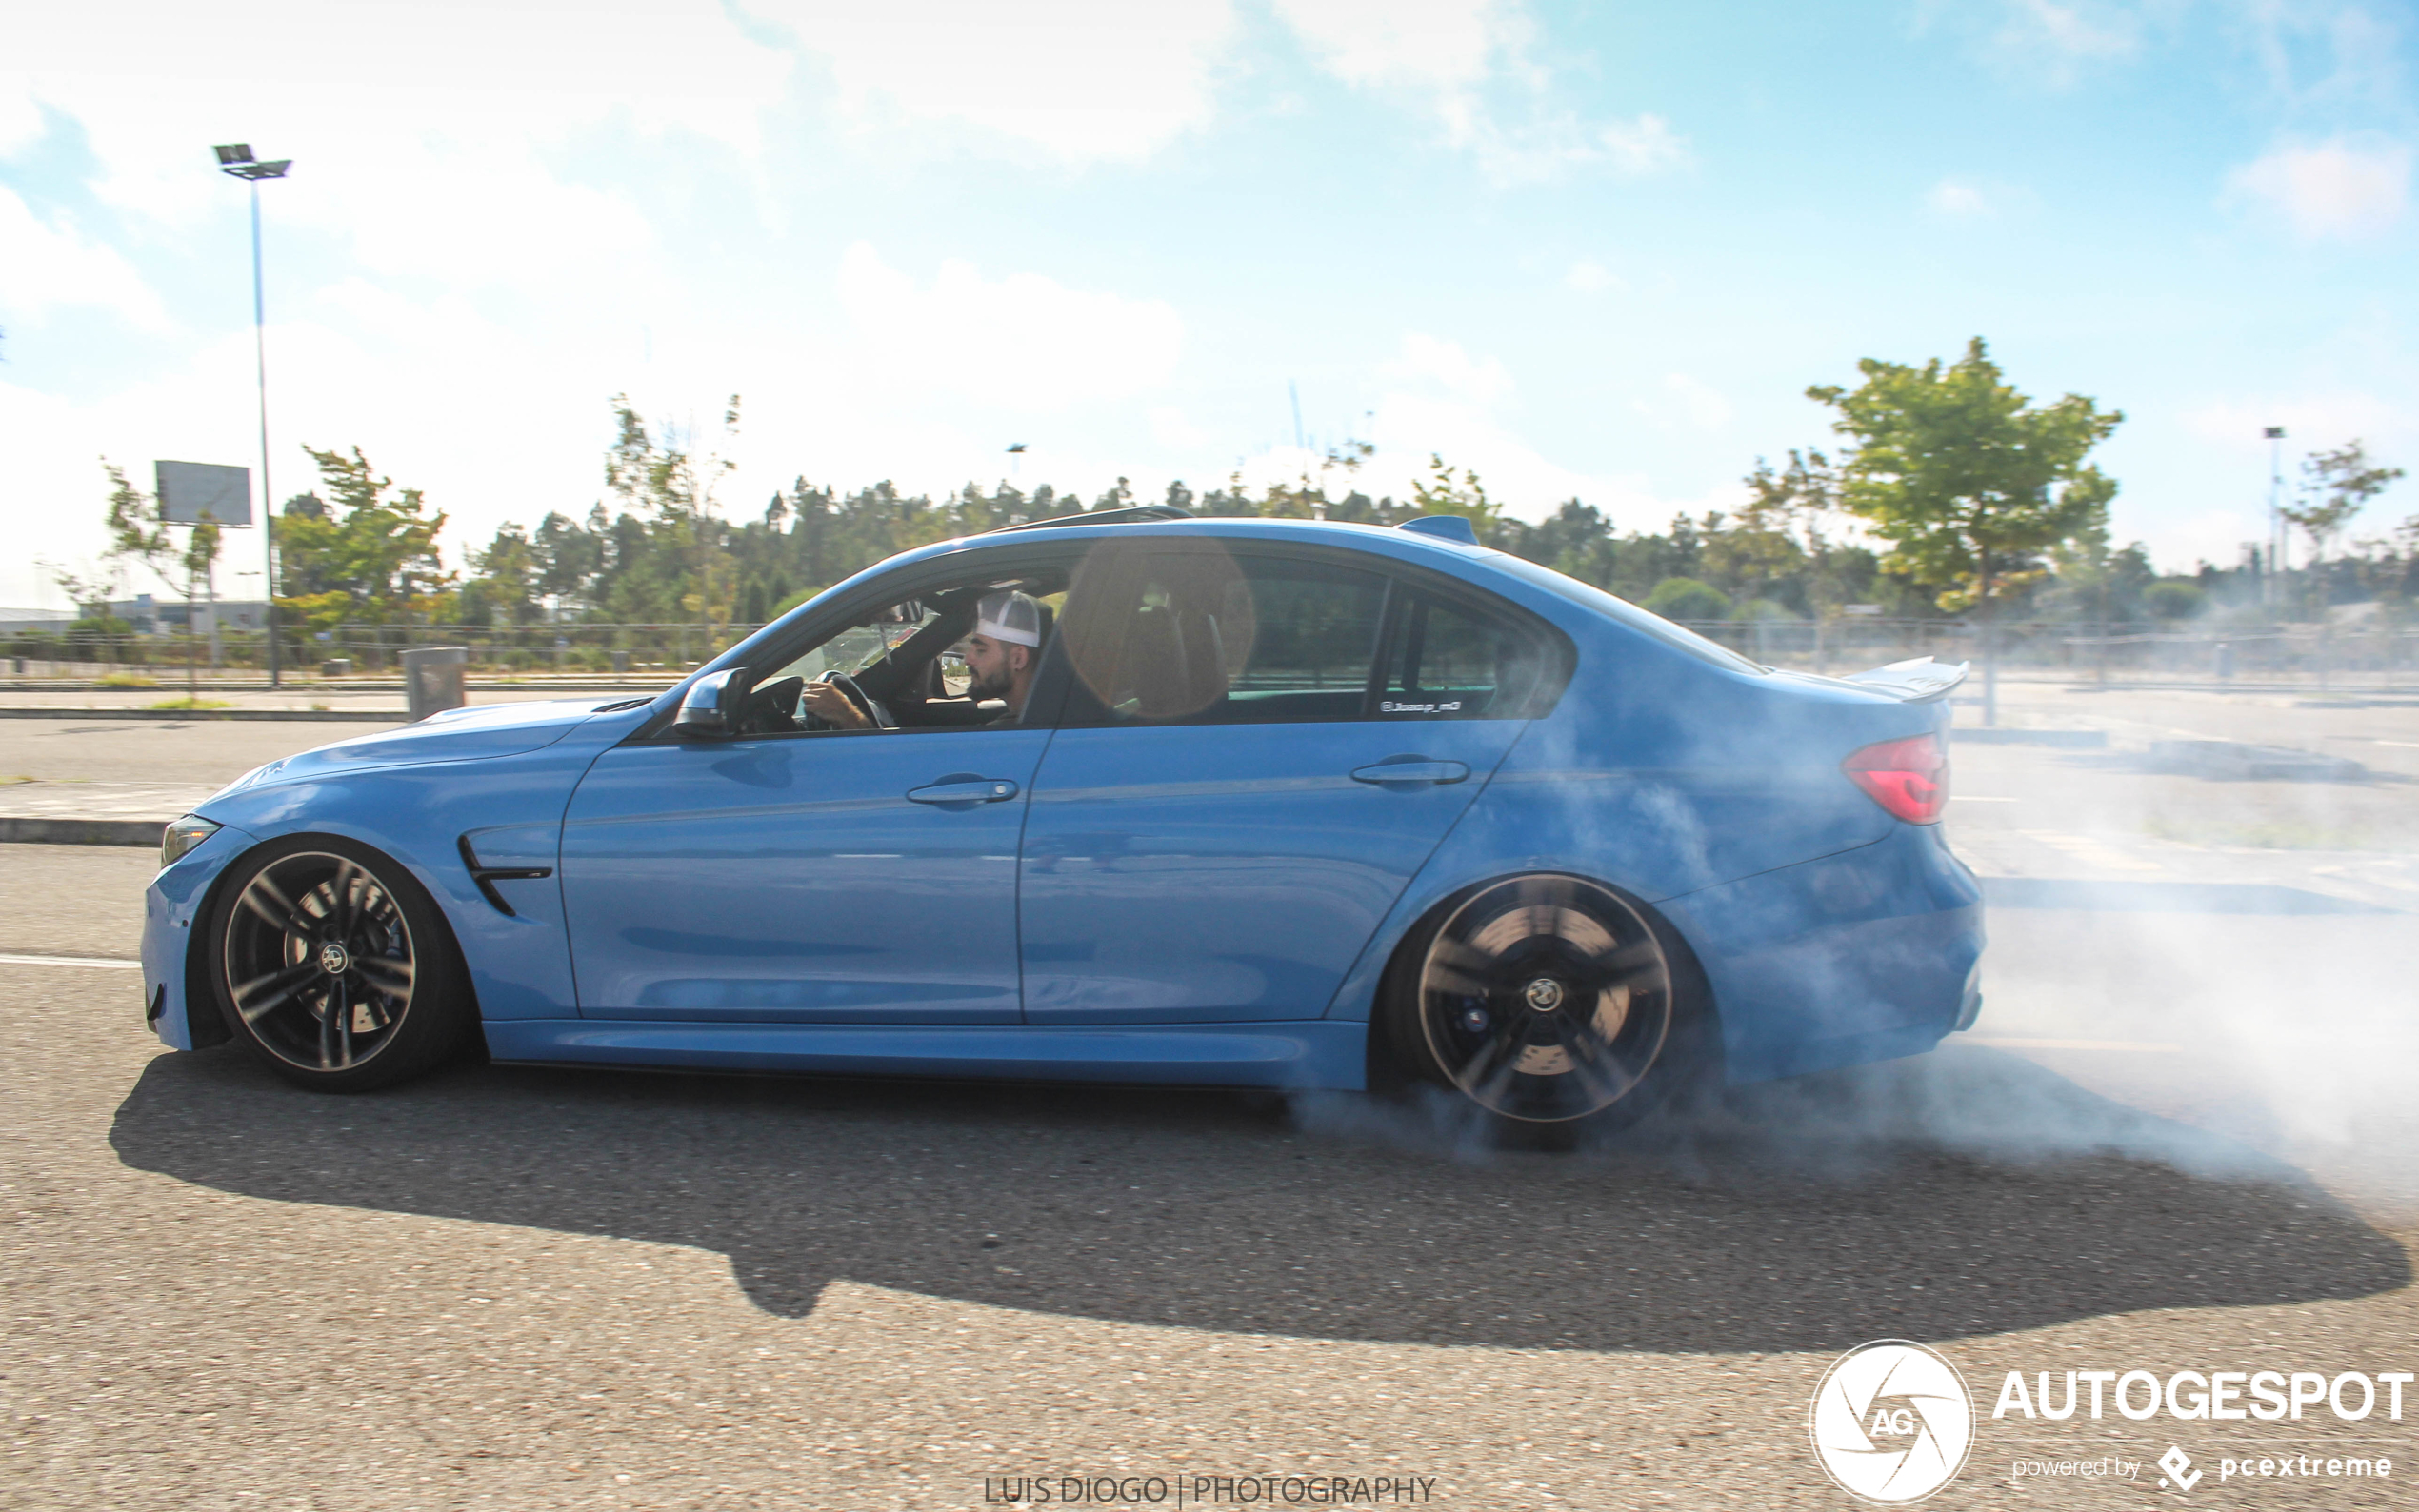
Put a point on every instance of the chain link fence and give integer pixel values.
(2292, 655)
(2379, 653)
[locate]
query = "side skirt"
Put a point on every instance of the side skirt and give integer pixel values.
(1313, 1053)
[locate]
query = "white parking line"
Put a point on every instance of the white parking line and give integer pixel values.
(99, 963)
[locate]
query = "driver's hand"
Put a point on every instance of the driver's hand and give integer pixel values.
(830, 705)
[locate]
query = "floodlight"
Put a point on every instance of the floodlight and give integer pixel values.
(2275, 434)
(234, 152)
(259, 171)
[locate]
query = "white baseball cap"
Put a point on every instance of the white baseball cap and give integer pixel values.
(1011, 616)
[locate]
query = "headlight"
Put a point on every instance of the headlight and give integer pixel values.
(182, 835)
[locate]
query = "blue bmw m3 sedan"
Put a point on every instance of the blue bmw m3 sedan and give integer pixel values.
(1131, 798)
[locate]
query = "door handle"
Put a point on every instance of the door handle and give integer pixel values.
(963, 787)
(1411, 771)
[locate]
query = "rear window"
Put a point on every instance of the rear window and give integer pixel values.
(1452, 661)
(1678, 637)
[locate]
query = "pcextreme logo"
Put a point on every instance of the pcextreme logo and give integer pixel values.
(1892, 1421)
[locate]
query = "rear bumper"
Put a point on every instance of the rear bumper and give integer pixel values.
(1867, 955)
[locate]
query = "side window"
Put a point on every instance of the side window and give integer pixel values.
(1168, 631)
(906, 664)
(1447, 660)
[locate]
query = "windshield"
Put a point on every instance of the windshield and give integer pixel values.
(852, 650)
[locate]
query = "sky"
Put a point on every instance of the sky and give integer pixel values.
(1587, 250)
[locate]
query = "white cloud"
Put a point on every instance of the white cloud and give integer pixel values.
(2346, 188)
(1590, 277)
(1064, 346)
(1086, 79)
(1959, 198)
(44, 267)
(1481, 380)
(1440, 43)
(1687, 401)
(2312, 422)
(1471, 59)
(2071, 31)
(320, 83)
(1647, 145)
(1170, 428)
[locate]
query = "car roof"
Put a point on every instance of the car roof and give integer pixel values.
(1411, 546)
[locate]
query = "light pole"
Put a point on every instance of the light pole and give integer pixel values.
(235, 159)
(2275, 438)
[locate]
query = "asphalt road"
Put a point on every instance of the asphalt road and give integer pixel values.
(2179, 1139)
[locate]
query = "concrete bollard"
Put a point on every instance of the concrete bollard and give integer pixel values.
(433, 677)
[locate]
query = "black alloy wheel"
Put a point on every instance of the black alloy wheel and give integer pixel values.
(1545, 999)
(331, 962)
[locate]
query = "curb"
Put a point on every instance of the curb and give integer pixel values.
(387, 716)
(32, 832)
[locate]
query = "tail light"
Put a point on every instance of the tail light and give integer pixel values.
(1907, 776)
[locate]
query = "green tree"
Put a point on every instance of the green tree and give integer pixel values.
(1967, 479)
(138, 528)
(1688, 599)
(366, 555)
(1442, 491)
(2335, 485)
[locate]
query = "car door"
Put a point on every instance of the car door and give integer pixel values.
(825, 877)
(1248, 774)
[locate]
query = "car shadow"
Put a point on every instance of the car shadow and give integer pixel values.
(1959, 1193)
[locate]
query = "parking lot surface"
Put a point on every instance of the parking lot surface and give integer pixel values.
(2179, 1139)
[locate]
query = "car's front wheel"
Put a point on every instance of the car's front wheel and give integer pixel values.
(1546, 999)
(331, 962)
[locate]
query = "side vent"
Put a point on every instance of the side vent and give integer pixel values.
(486, 877)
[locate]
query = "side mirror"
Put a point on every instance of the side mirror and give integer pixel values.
(710, 708)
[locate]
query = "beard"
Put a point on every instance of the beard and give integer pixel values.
(994, 683)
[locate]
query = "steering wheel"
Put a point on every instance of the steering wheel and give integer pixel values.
(861, 701)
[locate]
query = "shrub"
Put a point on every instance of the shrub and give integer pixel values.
(1688, 599)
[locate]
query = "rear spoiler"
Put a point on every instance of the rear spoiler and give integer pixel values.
(1921, 680)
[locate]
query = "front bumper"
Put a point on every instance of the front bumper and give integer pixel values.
(173, 907)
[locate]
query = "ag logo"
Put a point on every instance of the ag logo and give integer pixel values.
(1892, 1422)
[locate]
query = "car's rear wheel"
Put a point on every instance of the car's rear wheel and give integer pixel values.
(1545, 1000)
(331, 962)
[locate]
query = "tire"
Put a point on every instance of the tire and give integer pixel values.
(331, 964)
(1550, 1002)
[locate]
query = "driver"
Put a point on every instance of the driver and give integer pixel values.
(1001, 654)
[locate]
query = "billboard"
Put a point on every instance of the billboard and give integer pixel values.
(188, 489)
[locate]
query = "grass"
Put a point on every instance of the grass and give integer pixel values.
(128, 680)
(190, 702)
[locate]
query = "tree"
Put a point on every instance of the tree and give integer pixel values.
(138, 529)
(367, 554)
(1442, 491)
(1967, 479)
(1688, 599)
(2335, 485)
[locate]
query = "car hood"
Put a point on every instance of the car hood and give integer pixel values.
(457, 734)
